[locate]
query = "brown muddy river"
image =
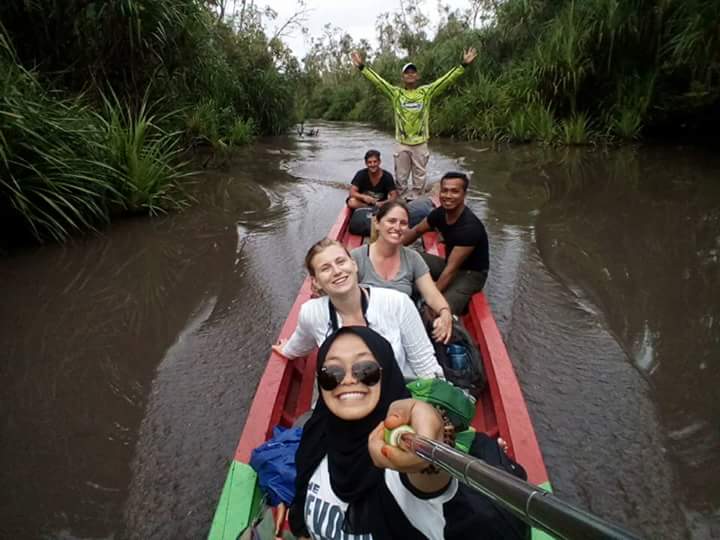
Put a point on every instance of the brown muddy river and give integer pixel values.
(129, 358)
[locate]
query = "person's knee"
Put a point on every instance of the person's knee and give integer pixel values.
(403, 166)
(461, 290)
(419, 210)
(420, 159)
(435, 264)
(458, 301)
(354, 203)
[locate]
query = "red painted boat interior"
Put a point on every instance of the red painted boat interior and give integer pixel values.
(502, 410)
(284, 393)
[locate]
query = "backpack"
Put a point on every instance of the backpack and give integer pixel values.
(470, 511)
(360, 221)
(471, 376)
(419, 210)
(459, 407)
(274, 463)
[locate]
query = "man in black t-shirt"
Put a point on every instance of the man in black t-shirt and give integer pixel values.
(464, 270)
(372, 186)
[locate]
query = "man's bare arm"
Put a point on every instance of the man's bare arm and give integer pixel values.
(367, 199)
(391, 197)
(416, 232)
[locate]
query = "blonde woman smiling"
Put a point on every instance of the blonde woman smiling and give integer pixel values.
(345, 303)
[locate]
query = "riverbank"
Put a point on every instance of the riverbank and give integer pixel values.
(104, 124)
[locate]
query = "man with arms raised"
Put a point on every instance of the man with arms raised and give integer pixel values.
(372, 186)
(411, 109)
(465, 268)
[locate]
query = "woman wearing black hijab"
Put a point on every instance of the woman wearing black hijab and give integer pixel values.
(349, 483)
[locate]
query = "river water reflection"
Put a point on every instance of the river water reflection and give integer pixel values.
(130, 358)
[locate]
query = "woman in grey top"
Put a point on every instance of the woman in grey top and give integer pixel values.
(387, 263)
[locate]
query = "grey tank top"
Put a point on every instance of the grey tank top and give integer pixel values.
(412, 266)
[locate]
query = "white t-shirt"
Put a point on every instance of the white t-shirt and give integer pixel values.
(325, 511)
(390, 313)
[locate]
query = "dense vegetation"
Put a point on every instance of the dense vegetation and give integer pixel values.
(556, 71)
(100, 101)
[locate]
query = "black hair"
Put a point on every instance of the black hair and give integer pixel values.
(372, 153)
(459, 175)
(384, 210)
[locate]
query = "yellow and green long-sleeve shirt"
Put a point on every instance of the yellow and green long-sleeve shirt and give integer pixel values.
(411, 108)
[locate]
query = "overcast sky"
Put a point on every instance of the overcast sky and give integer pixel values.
(355, 17)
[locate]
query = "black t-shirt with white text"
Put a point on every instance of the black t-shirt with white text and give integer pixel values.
(380, 191)
(468, 230)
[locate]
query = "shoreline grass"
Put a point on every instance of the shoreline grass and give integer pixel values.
(101, 125)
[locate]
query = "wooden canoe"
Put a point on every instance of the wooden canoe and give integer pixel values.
(285, 392)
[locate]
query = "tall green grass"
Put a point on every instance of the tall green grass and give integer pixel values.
(48, 176)
(576, 130)
(625, 124)
(65, 167)
(140, 159)
(519, 127)
(242, 132)
(79, 140)
(542, 123)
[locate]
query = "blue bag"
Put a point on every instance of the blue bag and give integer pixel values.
(274, 463)
(419, 210)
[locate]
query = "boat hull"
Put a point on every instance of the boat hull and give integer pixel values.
(285, 392)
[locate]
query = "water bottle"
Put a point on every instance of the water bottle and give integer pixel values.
(458, 356)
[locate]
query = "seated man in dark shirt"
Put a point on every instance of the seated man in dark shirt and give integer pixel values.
(465, 268)
(371, 186)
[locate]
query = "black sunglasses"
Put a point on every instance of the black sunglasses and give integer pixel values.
(367, 373)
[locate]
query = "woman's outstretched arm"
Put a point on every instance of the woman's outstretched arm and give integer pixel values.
(442, 326)
(426, 421)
